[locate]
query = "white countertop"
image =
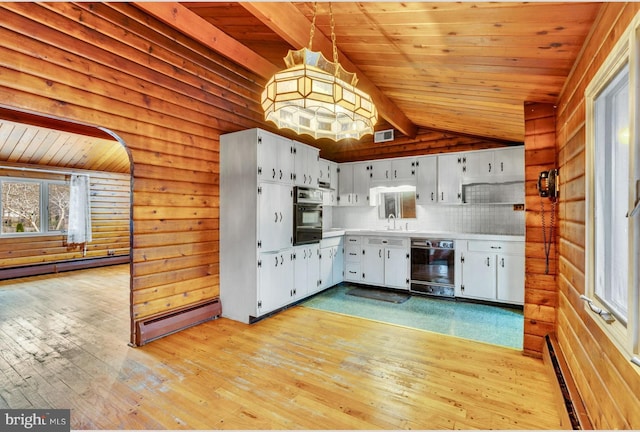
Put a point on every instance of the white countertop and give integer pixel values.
(336, 232)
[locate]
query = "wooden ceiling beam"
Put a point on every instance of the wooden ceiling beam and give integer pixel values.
(288, 22)
(192, 25)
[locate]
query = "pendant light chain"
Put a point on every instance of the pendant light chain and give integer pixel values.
(333, 34)
(313, 26)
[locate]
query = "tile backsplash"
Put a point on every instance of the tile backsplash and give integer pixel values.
(499, 219)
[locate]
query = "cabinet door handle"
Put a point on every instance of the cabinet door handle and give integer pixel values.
(281, 260)
(280, 174)
(305, 179)
(280, 217)
(388, 254)
(395, 173)
(305, 254)
(380, 253)
(432, 196)
(276, 261)
(502, 262)
(488, 261)
(274, 173)
(501, 166)
(489, 167)
(496, 247)
(386, 173)
(276, 213)
(441, 196)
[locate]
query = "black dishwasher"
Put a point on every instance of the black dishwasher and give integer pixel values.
(433, 267)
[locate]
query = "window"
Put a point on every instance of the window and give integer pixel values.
(33, 206)
(613, 165)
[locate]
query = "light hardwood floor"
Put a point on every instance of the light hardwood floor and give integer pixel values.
(64, 345)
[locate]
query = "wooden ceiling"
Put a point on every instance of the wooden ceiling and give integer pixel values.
(26, 144)
(462, 67)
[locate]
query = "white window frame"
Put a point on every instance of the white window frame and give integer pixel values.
(44, 206)
(627, 50)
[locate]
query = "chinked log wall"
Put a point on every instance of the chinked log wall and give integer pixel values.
(608, 383)
(110, 211)
(169, 99)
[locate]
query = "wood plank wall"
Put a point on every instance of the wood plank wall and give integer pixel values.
(110, 216)
(606, 380)
(540, 287)
(168, 98)
(426, 142)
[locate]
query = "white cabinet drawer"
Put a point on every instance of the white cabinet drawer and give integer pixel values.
(352, 271)
(499, 247)
(353, 240)
(352, 253)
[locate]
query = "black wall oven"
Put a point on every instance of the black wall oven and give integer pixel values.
(307, 212)
(433, 267)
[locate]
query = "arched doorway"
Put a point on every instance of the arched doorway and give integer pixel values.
(38, 157)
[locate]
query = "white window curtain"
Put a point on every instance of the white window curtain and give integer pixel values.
(79, 231)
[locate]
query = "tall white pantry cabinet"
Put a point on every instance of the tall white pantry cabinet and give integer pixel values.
(257, 257)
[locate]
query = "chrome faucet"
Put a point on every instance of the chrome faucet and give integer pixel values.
(391, 215)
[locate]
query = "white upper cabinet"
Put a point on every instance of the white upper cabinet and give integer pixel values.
(509, 163)
(493, 166)
(361, 184)
(275, 158)
(477, 165)
(379, 171)
(392, 171)
(345, 184)
(353, 184)
(327, 174)
(427, 180)
(324, 173)
(307, 165)
(449, 180)
(403, 170)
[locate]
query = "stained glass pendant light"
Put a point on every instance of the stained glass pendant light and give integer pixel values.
(316, 97)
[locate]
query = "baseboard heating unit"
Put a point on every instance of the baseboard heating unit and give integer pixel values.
(574, 416)
(157, 327)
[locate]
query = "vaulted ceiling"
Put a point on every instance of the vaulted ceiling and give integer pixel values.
(452, 68)
(465, 67)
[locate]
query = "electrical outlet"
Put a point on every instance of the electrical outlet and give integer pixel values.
(518, 207)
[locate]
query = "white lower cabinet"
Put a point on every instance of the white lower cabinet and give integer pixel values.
(510, 278)
(493, 271)
(275, 280)
(396, 266)
(331, 262)
(306, 270)
(385, 262)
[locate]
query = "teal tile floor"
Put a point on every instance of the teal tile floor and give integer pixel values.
(491, 324)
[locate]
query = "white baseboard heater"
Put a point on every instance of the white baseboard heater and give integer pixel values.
(159, 326)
